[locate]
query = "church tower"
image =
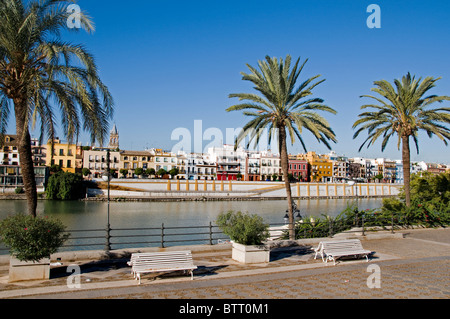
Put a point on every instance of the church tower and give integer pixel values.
(114, 138)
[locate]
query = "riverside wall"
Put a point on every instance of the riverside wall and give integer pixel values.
(237, 190)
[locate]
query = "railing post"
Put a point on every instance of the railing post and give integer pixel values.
(210, 233)
(162, 235)
(362, 221)
(108, 237)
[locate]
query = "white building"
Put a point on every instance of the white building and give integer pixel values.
(199, 167)
(270, 166)
(231, 164)
(96, 161)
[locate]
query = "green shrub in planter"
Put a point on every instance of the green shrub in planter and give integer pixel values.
(242, 228)
(32, 238)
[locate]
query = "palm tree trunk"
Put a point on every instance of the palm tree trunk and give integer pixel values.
(26, 157)
(406, 169)
(284, 168)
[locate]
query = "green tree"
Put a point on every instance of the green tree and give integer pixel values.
(285, 107)
(139, 171)
(150, 171)
(40, 72)
(86, 171)
(403, 111)
(64, 186)
(124, 172)
(174, 171)
(161, 172)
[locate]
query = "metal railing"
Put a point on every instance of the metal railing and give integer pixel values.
(121, 238)
(164, 236)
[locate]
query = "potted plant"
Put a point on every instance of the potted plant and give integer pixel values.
(31, 241)
(248, 233)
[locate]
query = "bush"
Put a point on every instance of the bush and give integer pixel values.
(242, 228)
(65, 186)
(430, 201)
(32, 238)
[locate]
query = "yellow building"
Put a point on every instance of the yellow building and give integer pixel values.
(67, 156)
(130, 160)
(321, 166)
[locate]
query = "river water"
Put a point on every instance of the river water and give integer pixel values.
(92, 215)
(80, 215)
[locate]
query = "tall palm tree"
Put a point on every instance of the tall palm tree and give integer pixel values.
(284, 107)
(41, 75)
(403, 111)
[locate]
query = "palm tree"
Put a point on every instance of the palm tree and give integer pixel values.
(40, 73)
(284, 109)
(403, 111)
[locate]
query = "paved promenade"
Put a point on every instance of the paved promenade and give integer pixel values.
(416, 266)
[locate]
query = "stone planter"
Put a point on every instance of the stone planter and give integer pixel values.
(250, 254)
(28, 270)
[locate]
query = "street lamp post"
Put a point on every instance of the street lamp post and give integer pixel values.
(107, 178)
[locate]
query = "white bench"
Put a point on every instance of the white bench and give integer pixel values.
(161, 262)
(332, 250)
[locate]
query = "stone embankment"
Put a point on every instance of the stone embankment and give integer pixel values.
(235, 190)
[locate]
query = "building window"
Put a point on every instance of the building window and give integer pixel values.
(69, 164)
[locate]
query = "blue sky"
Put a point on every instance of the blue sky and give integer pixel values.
(168, 63)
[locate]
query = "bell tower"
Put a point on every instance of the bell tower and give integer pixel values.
(114, 138)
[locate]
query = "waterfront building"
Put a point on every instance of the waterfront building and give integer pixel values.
(9, 154)
(356, 171)
(39, 152)
(253, 166)
(387, 168)
(200, 167)
(11, 177)
(415, 168)
(182, 164)
(299, 169)
(270, 166)
(399, 172)
(321, 166)
(10, 171)
(96, 161)
(129, 161)
(340, 172)
(66, 155)
(163, 160)
(368, 168)
(231, 163)
(436, 169)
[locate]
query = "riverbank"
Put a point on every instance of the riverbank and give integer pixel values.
(182, 190)
(148, 190)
